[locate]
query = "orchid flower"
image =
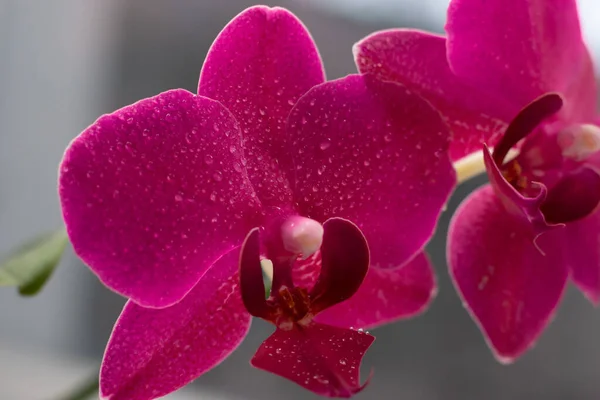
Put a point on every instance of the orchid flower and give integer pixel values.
(176, 201)
(511, 75)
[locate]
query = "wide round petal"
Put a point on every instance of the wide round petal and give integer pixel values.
(153, 352)
(521, 49)
(386, 295)
(375, 154)
(583, 254)
(418, 61)
(258, 67)
(152, 196)
(510, 285)
(323, 359)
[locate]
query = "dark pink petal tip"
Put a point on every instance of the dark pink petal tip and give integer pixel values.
(376, 154)
(385, 296)
(152, 195)
(258, 67)
(153, 352)
(344, 264)
(418, 60)
(323, 359)
(508, 285)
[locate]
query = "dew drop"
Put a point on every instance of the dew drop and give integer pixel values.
(388, 137)
(178, 197)
(208, 159)
(325, 145)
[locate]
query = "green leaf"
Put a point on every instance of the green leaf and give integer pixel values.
(29, 267)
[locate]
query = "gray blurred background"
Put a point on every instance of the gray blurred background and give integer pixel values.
(65, 62)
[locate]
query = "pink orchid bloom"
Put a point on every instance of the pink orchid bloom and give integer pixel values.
(513, 244)
(158, 197)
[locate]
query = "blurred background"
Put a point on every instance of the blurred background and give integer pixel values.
(65, 62)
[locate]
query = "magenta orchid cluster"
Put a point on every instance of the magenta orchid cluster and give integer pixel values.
(511, 74)
(182, 202)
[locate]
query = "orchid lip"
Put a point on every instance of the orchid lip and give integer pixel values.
(299, 342)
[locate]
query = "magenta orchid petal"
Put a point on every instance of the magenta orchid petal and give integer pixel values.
(418, 61)
(323, 359)
(522, 49)
(374, 153)
(344, 264)
(147, 190)
(153, 352)
(575, 196)
(583, 255)
(258, 67)
(510, 284)
(386, 295)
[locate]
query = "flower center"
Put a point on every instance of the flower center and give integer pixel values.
(301, 236)
(513, 173)
(580, 141)
(293, 306)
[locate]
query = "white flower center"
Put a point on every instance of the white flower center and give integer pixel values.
(302, 236)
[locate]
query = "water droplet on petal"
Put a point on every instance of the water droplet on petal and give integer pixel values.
(129, 147)
(208, 159)
(325, 145)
